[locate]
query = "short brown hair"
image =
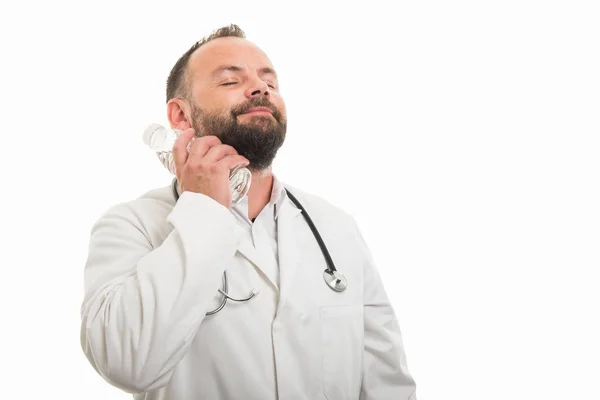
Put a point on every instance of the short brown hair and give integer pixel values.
(177, 82)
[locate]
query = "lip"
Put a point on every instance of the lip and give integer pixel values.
(259, 110)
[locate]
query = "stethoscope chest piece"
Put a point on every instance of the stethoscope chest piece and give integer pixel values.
(335, 280)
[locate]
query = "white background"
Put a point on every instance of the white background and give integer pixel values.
(462, 135)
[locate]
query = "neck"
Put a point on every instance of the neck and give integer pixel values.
(259, 193)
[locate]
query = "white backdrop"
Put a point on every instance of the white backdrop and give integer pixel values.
(463, 136)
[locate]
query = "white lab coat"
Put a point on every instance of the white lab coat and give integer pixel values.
(153, 271)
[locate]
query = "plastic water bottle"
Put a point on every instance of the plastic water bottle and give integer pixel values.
(161, 140)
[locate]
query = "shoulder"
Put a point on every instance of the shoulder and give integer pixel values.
(148, 207)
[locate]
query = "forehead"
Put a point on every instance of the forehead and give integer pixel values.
(227, 51)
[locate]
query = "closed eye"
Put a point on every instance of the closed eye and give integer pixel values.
(228, 83)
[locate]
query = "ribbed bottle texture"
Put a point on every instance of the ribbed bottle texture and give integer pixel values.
(162, 140)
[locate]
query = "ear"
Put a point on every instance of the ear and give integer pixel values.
(179, 114)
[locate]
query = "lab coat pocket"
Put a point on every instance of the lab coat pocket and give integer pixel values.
(342, 346)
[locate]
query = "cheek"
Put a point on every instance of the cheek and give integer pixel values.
(214, 103)
(218, 100)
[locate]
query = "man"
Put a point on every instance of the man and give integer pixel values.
(153, 319)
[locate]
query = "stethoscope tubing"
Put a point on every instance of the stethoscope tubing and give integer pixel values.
(316, 234)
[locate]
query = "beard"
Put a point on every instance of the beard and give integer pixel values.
(257, 139)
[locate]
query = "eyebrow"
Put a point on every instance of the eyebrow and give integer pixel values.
(234, 68)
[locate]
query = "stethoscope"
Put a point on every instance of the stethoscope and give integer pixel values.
(333, 278)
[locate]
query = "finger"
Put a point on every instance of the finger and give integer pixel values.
(216, 153)
(201, 145)
(180, 154)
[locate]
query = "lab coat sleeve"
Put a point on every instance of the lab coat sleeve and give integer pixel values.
(143, 305)
(385, 372)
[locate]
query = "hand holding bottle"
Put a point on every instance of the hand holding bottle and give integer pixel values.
(203, 165)
(203, 162)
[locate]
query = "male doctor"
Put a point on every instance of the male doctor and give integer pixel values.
(156, 264)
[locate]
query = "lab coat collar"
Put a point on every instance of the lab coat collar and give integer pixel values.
(278, 195)
(288, 251)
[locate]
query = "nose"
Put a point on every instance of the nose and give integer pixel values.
(256, 88)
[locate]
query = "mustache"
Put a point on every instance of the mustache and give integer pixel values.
(255, 102)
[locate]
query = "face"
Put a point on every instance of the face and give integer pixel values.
(235, 96)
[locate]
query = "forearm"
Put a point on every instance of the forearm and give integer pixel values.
(139, 324)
